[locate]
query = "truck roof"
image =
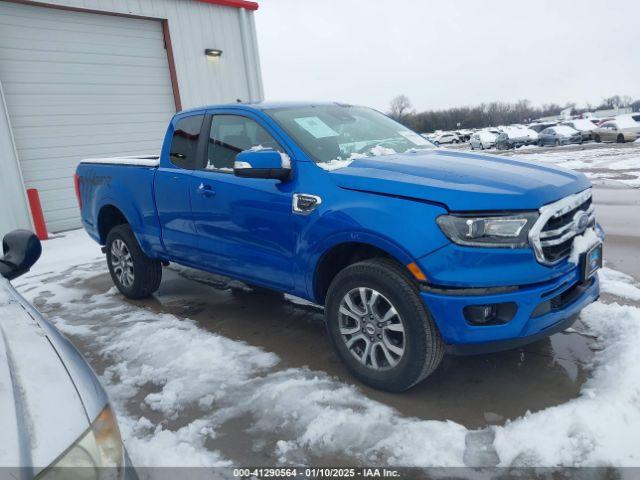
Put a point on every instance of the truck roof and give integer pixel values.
(263, 105)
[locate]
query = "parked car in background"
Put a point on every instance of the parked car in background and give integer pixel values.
(346, 208)
(559, 135)
(446, 138)
(620, 130)
(601, 121)
(464, 135)
(531, 135)
(511, 137)
(514, 136)
(538, 127)
(482, 140)
(53, 411)
(584, 126)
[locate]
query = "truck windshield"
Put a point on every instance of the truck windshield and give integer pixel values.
(335, 133)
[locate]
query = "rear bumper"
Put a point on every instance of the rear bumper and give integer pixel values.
(536, 315)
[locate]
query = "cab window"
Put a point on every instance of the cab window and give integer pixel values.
(184, 144)
(230, 135)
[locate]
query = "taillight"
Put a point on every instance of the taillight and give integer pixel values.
(76, 182)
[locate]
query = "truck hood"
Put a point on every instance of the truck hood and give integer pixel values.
(41, 409)
(461, 181)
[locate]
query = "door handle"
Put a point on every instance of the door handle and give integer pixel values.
(206, 190)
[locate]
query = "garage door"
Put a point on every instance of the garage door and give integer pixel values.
(79, 85)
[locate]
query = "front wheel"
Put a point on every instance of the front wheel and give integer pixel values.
(133, 273)
(380, 327)
(620, 138)
(597, 139)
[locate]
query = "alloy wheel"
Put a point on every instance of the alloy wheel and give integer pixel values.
(371, 328)
(122, 263)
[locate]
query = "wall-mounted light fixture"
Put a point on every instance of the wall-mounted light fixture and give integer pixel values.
(213, 52)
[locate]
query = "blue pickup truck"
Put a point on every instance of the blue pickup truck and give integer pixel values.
(413, 250)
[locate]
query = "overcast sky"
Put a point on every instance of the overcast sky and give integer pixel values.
(449, 52)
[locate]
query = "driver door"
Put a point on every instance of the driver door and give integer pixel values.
(244, 225)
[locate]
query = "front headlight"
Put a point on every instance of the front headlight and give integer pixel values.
(502, 231)
(99, 447)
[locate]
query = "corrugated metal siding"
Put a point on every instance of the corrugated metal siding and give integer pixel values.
(14, 212)
(81, 84)
(195, 26)
(64, 74)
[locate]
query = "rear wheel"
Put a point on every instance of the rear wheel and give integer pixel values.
(380, 327)
(557, 143)
(540, 143)
(597, 139)
(132, 272)
(620, 138)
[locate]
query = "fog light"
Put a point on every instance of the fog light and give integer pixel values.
(490, 314)
(480, 313)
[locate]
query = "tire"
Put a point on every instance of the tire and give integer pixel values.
(556, 143)
(540, 143)
(124, 254)
(481, 146)
(419, 342)
(597, 139)
(471, 146)
(620, 139)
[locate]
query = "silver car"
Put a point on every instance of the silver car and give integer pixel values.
(482, 140)
(54, 413)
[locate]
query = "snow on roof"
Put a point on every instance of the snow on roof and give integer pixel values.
(583, 124)
(626, 122)
(565, 129)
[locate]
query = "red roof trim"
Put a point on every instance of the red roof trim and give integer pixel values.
(233, 3)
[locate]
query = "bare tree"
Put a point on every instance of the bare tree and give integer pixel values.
(400, 107)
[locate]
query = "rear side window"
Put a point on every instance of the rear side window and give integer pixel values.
(184, 145)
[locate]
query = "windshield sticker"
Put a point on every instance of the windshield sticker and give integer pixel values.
(413, 137)
(316, 127)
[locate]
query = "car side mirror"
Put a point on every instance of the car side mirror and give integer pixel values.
(262, 164)
(21, 250)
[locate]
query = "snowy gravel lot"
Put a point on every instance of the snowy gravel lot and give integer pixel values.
(619, 162)
(180, 388)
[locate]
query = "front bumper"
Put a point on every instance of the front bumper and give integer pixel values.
(534, 318)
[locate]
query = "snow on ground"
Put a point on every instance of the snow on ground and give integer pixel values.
(617, 163)
(197, 383)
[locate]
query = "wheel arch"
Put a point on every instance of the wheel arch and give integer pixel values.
(342, 252)
(109, 216)
(111, 213)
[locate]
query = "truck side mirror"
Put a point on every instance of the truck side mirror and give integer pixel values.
(21, 250)
(262, 164)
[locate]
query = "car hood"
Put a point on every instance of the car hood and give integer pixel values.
(41, 407)
(461, 181)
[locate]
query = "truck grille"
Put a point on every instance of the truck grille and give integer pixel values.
(552, 235)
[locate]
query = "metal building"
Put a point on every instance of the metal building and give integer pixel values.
(81, 78)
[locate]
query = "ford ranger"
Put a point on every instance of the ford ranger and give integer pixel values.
(412, 249)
